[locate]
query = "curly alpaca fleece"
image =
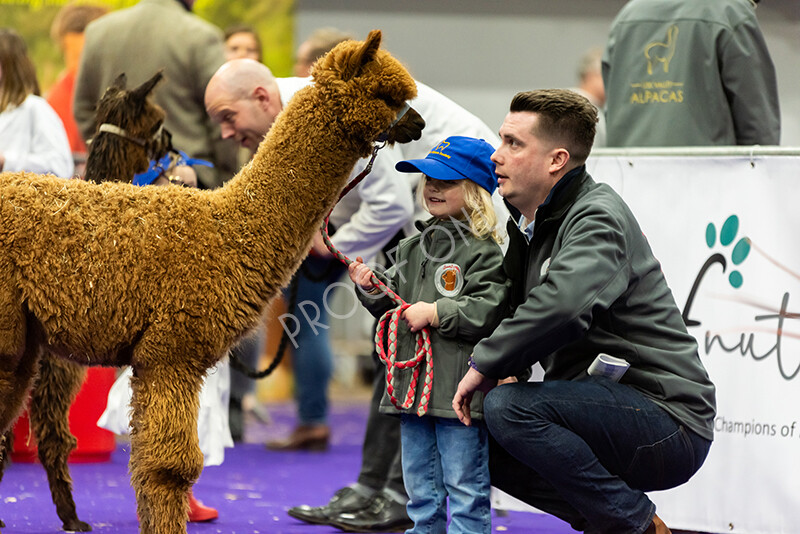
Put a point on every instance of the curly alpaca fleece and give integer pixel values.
(167, 279)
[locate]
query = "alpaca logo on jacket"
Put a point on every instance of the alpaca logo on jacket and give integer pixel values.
(661, 52)
(449, 279)
(655, 89)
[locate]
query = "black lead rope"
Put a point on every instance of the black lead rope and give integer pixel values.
(291, 306)
(248, 371)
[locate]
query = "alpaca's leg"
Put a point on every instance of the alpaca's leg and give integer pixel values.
(165, 452)
(17, 369)
(5, 447)
(6, 442)
(52, 395)
(16, 377)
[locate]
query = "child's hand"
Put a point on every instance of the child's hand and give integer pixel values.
(509, 380)
(419, 315)
(361, 274)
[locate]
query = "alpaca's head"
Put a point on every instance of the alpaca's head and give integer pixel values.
(367, 89)
(129, 124)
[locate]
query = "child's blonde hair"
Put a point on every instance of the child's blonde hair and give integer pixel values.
(478, 209)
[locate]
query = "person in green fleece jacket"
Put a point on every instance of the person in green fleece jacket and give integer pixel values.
(451, 274)
(580, 445)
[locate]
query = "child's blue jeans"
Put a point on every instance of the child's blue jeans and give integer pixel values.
(443, 458)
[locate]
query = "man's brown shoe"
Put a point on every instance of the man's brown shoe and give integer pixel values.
(657, 527)
(304, 437)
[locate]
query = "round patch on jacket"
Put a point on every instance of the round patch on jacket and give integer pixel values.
(449, 279)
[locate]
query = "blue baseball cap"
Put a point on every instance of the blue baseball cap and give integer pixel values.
(457, 158)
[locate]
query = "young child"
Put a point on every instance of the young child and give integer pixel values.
(452, 275)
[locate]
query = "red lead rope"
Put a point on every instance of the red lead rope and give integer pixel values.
(391, 318)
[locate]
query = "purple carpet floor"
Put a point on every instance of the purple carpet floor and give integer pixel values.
(252, 489)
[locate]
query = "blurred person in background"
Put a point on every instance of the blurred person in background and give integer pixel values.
(590, 85)
(32, 137)
(242, 41)
(315, 46)
(689, 73)
(67, 31)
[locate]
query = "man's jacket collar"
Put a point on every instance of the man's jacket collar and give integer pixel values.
(563, 194)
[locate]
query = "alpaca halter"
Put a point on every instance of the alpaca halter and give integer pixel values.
(116, 130)
(389, 355)
(385, 135)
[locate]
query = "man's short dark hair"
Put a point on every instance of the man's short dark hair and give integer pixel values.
(564, 117)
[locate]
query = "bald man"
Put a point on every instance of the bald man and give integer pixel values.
(244, 99)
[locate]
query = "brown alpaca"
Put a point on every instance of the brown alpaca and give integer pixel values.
(113, 156)
(167, 279)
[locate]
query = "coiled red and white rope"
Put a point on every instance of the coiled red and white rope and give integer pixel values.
(391, 319)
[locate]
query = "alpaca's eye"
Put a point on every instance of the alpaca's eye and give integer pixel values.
(391, 102)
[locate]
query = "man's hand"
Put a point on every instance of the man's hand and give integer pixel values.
(473, 381)
(185, 175)
(419, 315)
(181, 175)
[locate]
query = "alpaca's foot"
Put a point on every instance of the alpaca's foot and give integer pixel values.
(76, 525)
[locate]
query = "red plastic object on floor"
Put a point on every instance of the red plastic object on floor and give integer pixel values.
(199, 512)
(94, 444)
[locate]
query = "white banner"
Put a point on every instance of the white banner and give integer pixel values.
(726, 232)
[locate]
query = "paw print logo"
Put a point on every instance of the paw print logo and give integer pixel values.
(727, 235)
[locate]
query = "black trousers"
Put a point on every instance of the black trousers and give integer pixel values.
(381, 464)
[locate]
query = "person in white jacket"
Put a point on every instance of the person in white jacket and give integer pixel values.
(32, 137)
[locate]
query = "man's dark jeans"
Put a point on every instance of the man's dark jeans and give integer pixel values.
(586, 451)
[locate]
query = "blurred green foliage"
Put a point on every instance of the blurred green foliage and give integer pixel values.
(272, 19)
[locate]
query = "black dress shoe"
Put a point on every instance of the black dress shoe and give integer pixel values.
(344, 500)
(384, 514)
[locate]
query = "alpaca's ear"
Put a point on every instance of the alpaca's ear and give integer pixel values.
(363, 55)
(141, 92)
(120, 82)
(371, 46)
